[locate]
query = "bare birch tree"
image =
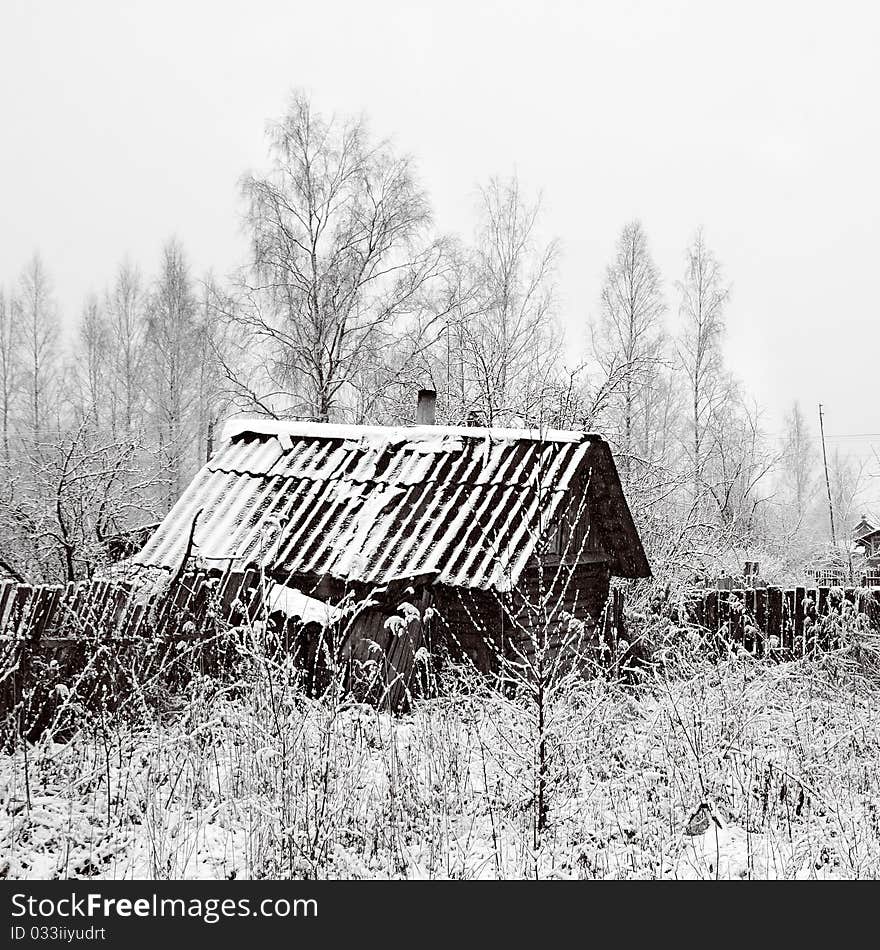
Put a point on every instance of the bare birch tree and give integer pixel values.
(126, 326)
(341, 253)
(501, 343)
(629, 337)
(847, 484)
(39, 344)
(173, 352)
(10, 370)
(212, 398)
(799, 460)
(92, 362)
(703, 297)
(737, 463)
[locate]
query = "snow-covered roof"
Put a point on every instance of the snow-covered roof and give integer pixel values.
(293, 429)
(372, 504)
(295, 604)
(865, 528)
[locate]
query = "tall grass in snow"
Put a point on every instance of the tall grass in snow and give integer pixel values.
(249, 778)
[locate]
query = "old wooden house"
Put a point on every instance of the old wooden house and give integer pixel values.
(509, 536)
(866, 540)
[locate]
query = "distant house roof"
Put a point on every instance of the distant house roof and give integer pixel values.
(864, 529)
(464, 506)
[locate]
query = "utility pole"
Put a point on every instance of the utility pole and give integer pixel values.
(827, 480)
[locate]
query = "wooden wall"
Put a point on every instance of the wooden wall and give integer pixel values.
(379, 656)
(564, 605)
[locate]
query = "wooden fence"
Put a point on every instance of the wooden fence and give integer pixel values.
(105, 635)
(116, 608)
(730, 582)
(791, 622)
(51, 631)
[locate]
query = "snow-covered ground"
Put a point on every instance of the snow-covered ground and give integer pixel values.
(261, 783)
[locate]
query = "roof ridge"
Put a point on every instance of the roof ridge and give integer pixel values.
(398, 434)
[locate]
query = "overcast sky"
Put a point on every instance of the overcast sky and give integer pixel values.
(122, 123)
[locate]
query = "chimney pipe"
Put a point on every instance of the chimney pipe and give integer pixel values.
(425, 407)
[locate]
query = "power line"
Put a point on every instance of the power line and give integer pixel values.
(840, 435)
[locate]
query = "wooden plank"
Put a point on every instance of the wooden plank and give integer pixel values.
(19, 611)
(122, 594)
(760, 611)
(62, 620)
(724, 615)
(811, 618)
(834, 611)
(252, 593)
(133, 615)
(231, 590)
(735, 615)
(811, 606)
(748, 601)
(199, 599)
(97, 605)
(695, 610)
(788, 623)
(44, 606)
(7, 596)
(618, 615)
(798, 617)
(90, 606)
(775, 602)
(104, 615)
(159, 608)
(77, 608)
(712, 611)
(178, 601)
(125, 608)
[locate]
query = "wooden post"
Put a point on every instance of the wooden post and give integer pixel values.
(711, 611)
(827, 481)
(749, 620)
(735, 612)
(775, 603)
(760, 614)
(798, 616)
(811, 618)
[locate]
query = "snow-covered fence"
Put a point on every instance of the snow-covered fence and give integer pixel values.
(789, 622)
(116, 607)
(731, 582)
(99, 634)
(103, 639)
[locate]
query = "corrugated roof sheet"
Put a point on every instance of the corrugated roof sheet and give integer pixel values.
(372, 505)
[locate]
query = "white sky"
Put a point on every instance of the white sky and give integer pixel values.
(122, 123)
